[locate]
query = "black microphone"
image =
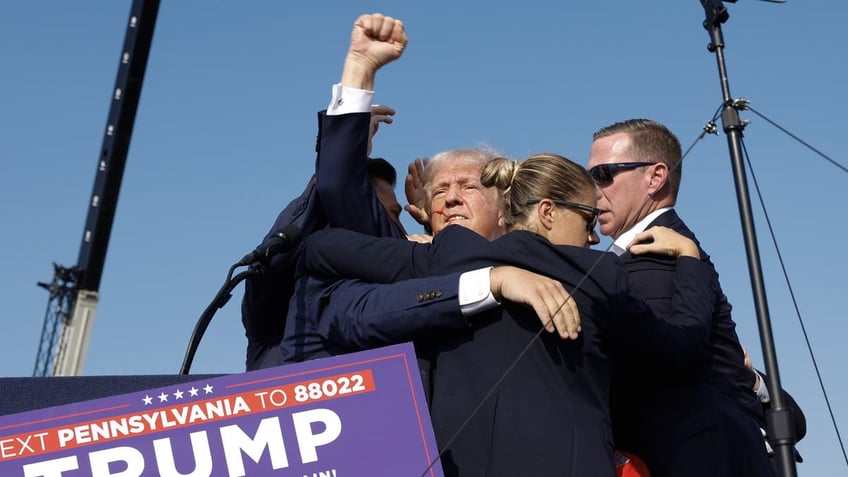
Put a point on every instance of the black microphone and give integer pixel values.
(280, 241)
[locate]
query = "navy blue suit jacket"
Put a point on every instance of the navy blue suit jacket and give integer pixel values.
(340, 194)
(710, 418)
(548, 412)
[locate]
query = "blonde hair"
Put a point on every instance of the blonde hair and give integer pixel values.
(540, 176)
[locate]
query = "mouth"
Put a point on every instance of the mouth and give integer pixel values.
(452, 219)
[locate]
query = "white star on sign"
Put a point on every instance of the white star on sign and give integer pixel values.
(178, 394)
(147, 400)
(163, 397)
(208, 389)
(193, 391)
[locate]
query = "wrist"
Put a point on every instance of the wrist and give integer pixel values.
(495, 283)
(358, 72)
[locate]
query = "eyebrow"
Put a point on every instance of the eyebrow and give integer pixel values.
(460, 180)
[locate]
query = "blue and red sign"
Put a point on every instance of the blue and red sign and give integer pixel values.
(346, 416)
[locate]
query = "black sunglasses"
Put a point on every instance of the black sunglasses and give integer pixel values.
(591, 223)
(603, 174)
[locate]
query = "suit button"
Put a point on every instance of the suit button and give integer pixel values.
(421, 297)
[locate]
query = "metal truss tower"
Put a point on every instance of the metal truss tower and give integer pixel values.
(74, 291)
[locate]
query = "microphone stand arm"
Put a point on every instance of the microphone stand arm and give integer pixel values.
(221, 299)
(779, 417)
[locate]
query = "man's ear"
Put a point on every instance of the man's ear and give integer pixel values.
(658, 178)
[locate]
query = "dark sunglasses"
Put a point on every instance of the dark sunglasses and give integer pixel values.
(603, 174)
(591, 223)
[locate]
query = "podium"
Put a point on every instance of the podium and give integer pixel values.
(357, 414)
(29, 394)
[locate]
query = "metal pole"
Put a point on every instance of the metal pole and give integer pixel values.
(779, 416)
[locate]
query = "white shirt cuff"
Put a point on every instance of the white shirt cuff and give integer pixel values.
(475, 292)
(349, 100)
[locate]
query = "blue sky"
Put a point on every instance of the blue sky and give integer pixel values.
(225, 131)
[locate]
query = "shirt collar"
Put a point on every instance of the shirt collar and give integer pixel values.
(619, 246)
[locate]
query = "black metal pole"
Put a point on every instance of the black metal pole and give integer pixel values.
(779, 417)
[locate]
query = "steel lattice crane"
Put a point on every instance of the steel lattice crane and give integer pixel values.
(74, 291)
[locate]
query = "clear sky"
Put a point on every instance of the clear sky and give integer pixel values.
(225, 133)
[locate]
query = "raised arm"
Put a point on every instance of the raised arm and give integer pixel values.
(348, 195)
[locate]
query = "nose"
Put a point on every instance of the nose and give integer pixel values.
(453, 196)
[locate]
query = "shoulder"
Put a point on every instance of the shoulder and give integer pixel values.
(457, 233)
(673, 221)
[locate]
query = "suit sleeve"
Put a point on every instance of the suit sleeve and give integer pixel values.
(349, 199)
(652, 278)
(344, 253)
(359, 315)
(681, 344)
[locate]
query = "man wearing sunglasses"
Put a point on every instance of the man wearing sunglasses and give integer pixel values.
(704, 425)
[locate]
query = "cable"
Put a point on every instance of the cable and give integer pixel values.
(792, 296)
(823, 155)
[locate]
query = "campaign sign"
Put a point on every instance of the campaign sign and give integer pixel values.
(362, 414)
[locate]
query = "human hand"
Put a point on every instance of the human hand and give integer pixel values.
(420, 238)
(553, 305)
(750, 365)
(380, 113)
(663, 241)
(747, 360)
(376, 40)
(416, 196)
